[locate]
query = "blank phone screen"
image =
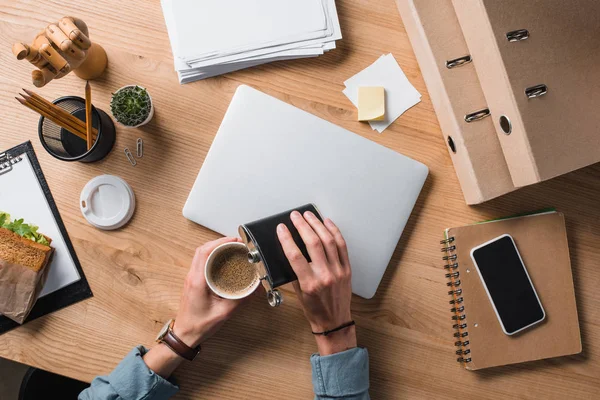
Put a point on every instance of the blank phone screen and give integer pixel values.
(509, 287)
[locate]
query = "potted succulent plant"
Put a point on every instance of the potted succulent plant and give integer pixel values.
(132, 106)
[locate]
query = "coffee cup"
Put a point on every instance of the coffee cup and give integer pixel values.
(229, 273)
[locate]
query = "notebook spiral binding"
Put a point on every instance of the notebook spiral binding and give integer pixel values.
(7, 161)
(457, 307)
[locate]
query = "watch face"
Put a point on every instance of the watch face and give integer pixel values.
(163, 331)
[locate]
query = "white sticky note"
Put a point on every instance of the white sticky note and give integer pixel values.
(400, 94)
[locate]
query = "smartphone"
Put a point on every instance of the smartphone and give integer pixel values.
(508, 284)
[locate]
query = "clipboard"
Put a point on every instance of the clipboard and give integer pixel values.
(67, 283)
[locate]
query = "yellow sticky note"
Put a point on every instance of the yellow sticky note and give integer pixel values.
(371, 103)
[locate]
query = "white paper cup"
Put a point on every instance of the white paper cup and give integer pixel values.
(207, 273)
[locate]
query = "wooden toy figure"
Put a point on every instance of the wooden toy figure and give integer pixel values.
(60, 49)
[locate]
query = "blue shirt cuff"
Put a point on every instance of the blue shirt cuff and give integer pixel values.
(341, 374)
(132, 379)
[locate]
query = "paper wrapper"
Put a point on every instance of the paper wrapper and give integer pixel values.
(19, 289)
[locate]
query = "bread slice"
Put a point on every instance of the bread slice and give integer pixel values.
(18, 250)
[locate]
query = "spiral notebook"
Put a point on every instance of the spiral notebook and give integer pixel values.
(25, 194)
(456, 95)
(542, 242)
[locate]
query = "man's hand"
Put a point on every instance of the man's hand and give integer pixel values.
(324, 285)
(201, 312)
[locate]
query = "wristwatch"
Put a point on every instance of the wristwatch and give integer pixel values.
(168, 337)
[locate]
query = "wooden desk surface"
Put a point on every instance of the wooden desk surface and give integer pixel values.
(136, 273)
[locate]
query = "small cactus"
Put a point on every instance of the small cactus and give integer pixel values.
(131, 105)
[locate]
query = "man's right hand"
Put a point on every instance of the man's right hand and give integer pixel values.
(324, 285)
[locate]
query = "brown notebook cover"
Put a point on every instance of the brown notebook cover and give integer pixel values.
(455, 91)
(542, 242)
(557, 132)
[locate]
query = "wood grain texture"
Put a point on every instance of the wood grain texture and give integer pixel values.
(136, 273)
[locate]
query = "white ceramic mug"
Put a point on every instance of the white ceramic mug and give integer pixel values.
(209, 264)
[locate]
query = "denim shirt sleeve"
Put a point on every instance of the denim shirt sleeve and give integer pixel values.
(130, 380)
(343, 375)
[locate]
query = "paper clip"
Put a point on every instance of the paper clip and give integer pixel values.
(130, 157)
(140, 148)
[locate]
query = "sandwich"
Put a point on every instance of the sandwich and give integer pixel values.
(24, 256)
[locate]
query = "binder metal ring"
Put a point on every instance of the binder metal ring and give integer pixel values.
(463, 352)
(536, 91)
(450, 248)
(518, 35)
(477, 115)
(449, 240)
(452, 257)
(464, 360)
(459, 309)
(453, 275)
(458, 317)
(458, 62)
(459, 326)
(457, 292)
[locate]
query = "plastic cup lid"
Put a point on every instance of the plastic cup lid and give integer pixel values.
(107, 202)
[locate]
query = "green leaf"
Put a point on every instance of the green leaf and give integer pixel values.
(22, 229)
(4, 219)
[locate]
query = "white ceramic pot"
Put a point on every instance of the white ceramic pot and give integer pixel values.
(150, 115)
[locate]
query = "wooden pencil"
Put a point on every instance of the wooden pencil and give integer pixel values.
(67, 119)
(76, 130)
(88, 114)
(36, 98)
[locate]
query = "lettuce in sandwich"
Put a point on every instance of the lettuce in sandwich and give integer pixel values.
(19, 227)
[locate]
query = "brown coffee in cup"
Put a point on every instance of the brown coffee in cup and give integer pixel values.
(231, 272)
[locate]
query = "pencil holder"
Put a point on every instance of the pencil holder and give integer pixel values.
(67, 146)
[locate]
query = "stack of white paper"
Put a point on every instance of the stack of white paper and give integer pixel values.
(213, 37)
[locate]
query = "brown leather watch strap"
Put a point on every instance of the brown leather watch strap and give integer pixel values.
(179, 347)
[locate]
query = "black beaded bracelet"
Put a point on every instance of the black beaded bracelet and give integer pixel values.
(339, 328)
